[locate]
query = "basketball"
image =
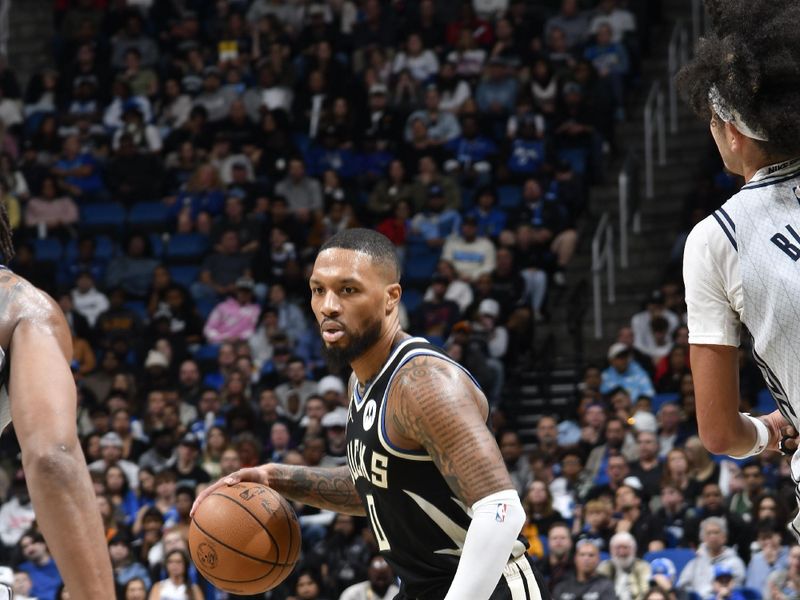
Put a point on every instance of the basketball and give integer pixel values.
(245, 538)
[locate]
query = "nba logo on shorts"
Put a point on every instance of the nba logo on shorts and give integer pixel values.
(369, 414)
(500, 515)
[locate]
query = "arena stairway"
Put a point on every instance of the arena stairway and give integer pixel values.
(29, 46)
(546, 383)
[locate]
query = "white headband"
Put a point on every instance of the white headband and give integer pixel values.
(730, 115)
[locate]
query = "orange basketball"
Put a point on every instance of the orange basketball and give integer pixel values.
(245, 538)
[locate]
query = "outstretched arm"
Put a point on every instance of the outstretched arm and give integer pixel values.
(326, 488)
(43, 410)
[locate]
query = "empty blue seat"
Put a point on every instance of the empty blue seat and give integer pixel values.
(156, 245)
(678, 556)
(660, 400)
(205, 306)
(184, 275)
(48, 249)
(186, 247)
(106, 215)
(749, 593)
(412, 299)
(576, 157)
(207, 352)
(419, 263)
(509, 197)
(147, 215)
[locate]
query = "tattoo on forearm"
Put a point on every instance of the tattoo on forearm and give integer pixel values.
(330, 489)
(428, 403)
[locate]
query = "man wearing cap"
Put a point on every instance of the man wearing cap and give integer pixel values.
(214, 98)
(624, 372)
(442, 126)
(470, 254)
(663, 576)
(111, 453)
(333, 423)
(235, 318)
(437, 315)
(186, 465)
(713, 553)
(435, 223)
(332, 390)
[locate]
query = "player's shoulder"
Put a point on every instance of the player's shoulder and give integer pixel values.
(19, 298)
(714, 235)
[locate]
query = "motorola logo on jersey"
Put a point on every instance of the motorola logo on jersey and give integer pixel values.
(369, 414)
(376, 473)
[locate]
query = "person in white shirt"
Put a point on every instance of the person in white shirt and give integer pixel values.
(87, 299)
(472, 255)
(378, 586)
(740, 263)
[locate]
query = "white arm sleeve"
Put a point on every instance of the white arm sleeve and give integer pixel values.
(713, 286)
(497, 520)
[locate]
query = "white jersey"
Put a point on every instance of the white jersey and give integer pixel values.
(741, 266)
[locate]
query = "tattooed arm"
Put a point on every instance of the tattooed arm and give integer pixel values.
(434, 405)
(326, 488)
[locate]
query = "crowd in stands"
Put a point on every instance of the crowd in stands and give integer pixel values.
(169, 178)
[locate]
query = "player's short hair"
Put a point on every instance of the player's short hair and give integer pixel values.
(376, 245)
(752, 57)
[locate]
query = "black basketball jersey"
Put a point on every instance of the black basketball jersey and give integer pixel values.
(418, 523)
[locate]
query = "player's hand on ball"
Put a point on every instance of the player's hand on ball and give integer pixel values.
(254, 474)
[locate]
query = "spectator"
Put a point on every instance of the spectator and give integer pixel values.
(378, 586)
(442, 126)
(436, 223)
(88, 301)
(133, 270)
(625, 372)
(345, 553)
(496, 95)
(16, 514)
(418, 60)
(437, 314)
(771, 556)
(177, 583)
(557, 564)
(631, 575)
(571, 21)
(641, 322)
(79, 171)
(131, 174)
(712, 555)
(303, 193)
(49, 211)
(222, 269)
(125, 566)
(785, 583)
(741, 502)
(235, 318)
(293, 394)
(586, 579)
(39, 565)
(618, 442)
(621, 21)
(111, 446)
(671, 517)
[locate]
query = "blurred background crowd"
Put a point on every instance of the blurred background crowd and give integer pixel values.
(169, 178)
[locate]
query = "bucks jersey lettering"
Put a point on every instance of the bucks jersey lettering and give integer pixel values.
(418, 523)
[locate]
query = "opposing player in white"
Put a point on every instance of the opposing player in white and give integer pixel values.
(741, 263)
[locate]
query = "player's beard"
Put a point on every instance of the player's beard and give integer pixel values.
(337, 358)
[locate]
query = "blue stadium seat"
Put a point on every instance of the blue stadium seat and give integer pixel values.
(148, 215)
(765, 403)
(207, 352)
(48, 249)
(749, 593)
(660, 399)
(205, 306)
(140, 308)
(104, 247)
(436, 340)
(103, 216)
(186, 247)
(509, 197)
(156, 244)
(412, 299)
(184, 275)
(576, 157)
(420, 262)
(679, 557)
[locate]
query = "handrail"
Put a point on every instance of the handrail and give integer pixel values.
(602, 258)
(677, 56)
(654, 119)
(699, 21)
(630, 215)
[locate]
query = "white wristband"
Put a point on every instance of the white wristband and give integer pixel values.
(762, 437)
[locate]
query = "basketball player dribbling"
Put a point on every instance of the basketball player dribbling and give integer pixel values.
(741, 263)
(423, 466)
(38, 395)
